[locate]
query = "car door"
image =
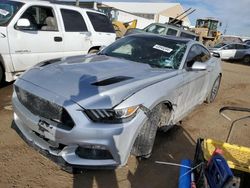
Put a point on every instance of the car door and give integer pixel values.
(40, 41)
(194, 87)
(240, 51)
(103, 30)
(76, 35)
(228, 51)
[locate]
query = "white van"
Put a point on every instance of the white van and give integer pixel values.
(34, 31)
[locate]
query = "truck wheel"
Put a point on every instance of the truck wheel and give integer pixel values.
(93, 51)
(1, 75)
(214, 91)
(246, 59)
(145, 140)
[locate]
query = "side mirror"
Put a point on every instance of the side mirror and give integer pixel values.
(215, 54)
(23, 24)
(199, 66)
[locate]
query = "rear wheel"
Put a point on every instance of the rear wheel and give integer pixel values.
(214, 91)
(145, 140)
(246, 59)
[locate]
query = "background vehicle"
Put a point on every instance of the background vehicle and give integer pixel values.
(108, 105)
(121, 28)
(238, 51)
(34, 31)
(230, 39)
(247, 42)
(165, 29)
(207, 30)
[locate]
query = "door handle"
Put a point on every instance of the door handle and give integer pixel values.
(58, 39)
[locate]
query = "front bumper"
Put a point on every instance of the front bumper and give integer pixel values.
(61, 145)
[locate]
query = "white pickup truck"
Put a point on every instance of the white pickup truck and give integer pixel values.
(34, 31)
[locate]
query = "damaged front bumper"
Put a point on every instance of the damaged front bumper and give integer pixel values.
(87, 145)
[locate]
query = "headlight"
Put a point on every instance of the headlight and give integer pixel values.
(112, 115)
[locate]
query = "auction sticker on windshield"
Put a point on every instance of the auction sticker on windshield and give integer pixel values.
(162, 48)
(4, 12)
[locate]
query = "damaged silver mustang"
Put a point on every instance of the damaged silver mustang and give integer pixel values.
(93, 111)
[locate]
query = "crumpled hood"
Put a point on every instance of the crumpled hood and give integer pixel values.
(95, 81)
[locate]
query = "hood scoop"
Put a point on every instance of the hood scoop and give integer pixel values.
(112, 80)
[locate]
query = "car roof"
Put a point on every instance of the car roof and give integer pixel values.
(235, 43)
(173, 27)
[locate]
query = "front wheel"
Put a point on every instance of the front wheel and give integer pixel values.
(145, 140)
(246, 59)
(214, 91)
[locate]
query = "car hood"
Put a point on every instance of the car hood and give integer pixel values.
(95, 81)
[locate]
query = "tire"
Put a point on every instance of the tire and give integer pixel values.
(214, 91)
(246, 59)
(145, 140)
(93, 51)
(2, 76)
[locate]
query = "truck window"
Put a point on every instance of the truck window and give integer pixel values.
(100, 22)
(186, 35)
(73, 21)
(171, 32)
(41, 18)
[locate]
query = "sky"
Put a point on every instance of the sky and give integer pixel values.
(233, 14)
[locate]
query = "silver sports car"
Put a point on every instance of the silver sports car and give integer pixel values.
(93, 111)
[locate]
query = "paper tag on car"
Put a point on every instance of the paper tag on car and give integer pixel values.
(162, 48)
(4, 12)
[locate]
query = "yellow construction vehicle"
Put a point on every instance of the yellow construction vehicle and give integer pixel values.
(207, 30)
(122, 27)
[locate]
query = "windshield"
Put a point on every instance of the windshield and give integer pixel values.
(219, 45)
(157, 29)
(152, 50)
(8, 9)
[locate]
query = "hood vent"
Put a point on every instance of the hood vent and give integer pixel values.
(44, 63)
(112, 80)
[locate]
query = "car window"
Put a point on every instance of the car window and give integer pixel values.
(73, 21)
(41, 18)
(229, 47)
(157, 29)
(197, 53)
(186, 35)
(219, 45)
(172, 32)
(205, 54)
(100, 22)
(155, 51)
(240, 46)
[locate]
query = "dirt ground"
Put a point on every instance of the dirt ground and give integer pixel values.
(21, 166)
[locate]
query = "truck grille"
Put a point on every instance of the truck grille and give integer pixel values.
(44, 108)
